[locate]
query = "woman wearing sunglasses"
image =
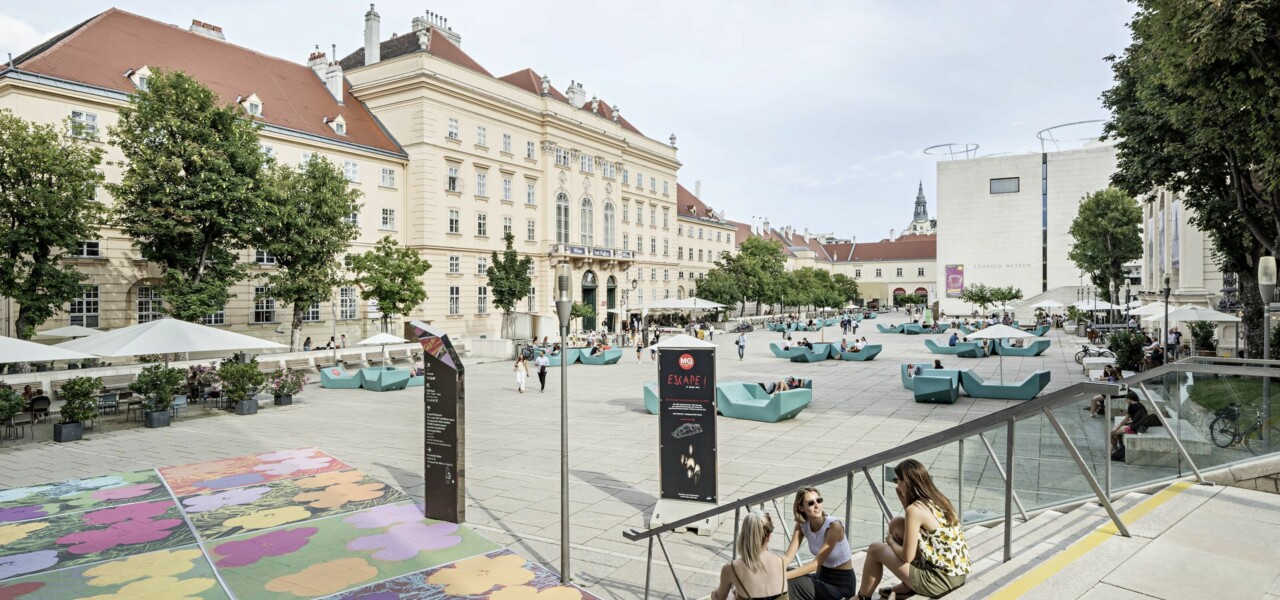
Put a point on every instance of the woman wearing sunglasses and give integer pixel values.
(829, 576)
(757, 573)
(926, 549)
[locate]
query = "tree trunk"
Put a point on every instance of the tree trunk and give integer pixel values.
(295, 336)
(1251, 300)
(508, 326)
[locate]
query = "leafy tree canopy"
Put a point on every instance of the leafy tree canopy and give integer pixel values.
(391, 275)
(509, 276)
(1107, 235)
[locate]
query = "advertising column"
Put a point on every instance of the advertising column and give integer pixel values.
(687, 449)
(443, 392)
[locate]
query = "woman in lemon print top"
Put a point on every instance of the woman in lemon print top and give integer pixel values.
(925, 548)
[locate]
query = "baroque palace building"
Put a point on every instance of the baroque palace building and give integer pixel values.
(448, 158)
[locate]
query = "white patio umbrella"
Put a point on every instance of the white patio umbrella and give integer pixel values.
(681, 341)
(999, 332)
(1096, 305)
(690, 303)
(1047, 304)
(166, 336)
(13, 350)
(70, 331)
(381, 339)
(1149, 309)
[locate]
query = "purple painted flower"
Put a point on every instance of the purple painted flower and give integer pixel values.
(385, 515)
(293, 465)
(21, 564)
(139, 510)
(131, 531)
(384, 595)
(197, 504)
(230, 481)
(276, 543)
(406, 540)
(22, 513)
(280, 455)
(124, 493)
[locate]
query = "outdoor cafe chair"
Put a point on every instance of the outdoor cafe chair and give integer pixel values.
(20, 422)
(179, 403)
(40, 408)
(109, 402)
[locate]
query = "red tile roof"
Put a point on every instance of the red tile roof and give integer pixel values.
(839, 252)
(530, 81)
(607, 113)
(439, 45)
(921, 249)
(688, 205)
(99, 51)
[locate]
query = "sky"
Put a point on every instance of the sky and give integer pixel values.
(810, 114)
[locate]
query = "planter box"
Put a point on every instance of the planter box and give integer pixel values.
(153, 419)
(248, 406)
(67, 432)
(284, 400)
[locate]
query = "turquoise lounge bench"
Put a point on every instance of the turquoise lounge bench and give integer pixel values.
(651, 397)
(943, 327)
(1031, 348)
(938, 386)
(337, 378)
(867, 353)
(909, 382)
(870, 316)
(608, 357)
(955, 350)
(740, 400)
(889, 329)
(789, 353)
(774, 327)
(965, 329)
(820, 353)
(416, 381)
(1040, 331)
(785, 404)
(830, 322)
(384, 379)
(914, 329)
(975, 352)
(1028, 388)
(572, 355)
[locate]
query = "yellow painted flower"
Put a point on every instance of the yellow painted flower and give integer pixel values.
(330, 478)
(342, 493)
(266, 519)
(480, 574)
(12, 533)
(168, 588)
(524, 592)
(153, 564)
(324, 578)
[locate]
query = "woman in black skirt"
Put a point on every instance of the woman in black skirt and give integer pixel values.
(829, 576)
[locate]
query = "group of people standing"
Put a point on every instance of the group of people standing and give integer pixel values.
(925, 548)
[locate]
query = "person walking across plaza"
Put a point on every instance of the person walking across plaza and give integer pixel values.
(742, 345)
(542, 362)
(522, 372)
(829, 576)
(925, 548)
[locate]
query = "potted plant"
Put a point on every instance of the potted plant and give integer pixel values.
(10, 403)
(1202, 333)
(199, 379)
(79, 404)
(238, 381)
(284, 384)
(158, 384)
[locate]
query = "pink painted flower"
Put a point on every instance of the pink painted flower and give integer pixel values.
(122, 493)
(385, 515)
(195, 504)
(280, 455)
(293, 465)
(139, 510)
(275, 543)
(406, 540)
(119, 534)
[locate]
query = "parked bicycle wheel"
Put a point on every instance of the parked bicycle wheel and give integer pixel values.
(1107, 354)
(1223, 431)
(1253, 442)
(1080, 357)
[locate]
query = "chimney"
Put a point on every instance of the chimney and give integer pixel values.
(891, 238)
(207, 29)
(595, 105)
(697, 188)
(437, 22)
(333, 80)
(616, 113)
(372, 37)
(806, 235)
(765, 226)
(318, 62)
(576, 94)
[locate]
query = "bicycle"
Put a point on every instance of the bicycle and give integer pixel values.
(1087, 352)
(1224, 430)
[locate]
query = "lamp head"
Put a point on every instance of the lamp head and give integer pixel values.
(1267, 277)
(562, 281)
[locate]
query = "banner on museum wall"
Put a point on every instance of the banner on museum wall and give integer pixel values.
(443, 393)
(687, 424)
(1174, 259)
(1160, 239)
(955, 280)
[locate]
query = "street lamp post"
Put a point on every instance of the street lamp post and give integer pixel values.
(1267, 286)
(644, 328)
(564, 306)
(1128, 301)
(1164, 335)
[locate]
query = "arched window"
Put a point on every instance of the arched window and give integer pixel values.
(680, 293)
(562, 219)
(586, 223)
(608, 225)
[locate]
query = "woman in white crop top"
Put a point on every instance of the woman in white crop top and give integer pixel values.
(829, 576)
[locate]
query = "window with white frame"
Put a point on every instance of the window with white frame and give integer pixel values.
(506, 143)
(255, 109)
(609, 225)
(626, 243)
(666, 275)
(455, 222)
(562, 157)
(264, 306)
(653, 216)
(653, 245)
(263, 257)
(351, 170)
(150, 304)
(680, 253)
(586, 222)
(857, 273)
(639, 215)
(626, 177)
(506, 188)
(312, 314)
(506, 226)
(388, 177)
(533, 299)
(529, 150)
(718, 234)
(482, 138)
(455, 300)
(482, 224)
(482, 184)
(878, 273)
(665, 221)
(389, 218)
(84, 125)
(531, 230)
(639, 179)
(898, 273)
(482, 300)
(626, 211)
(1005, 185)
(340, 128)
(639, 244)
(305, 157)
(268, 153)
(665, 187)
(653, 274)
(482, 265)
(451, 184)
(353, 218)
(653, 184)
(666, 248)
(347, 303)
(584, 163)
(218, 318)
(699, 255)
(920, 272)
(84, 308)
(453, 128)
(88, 249)
(562, 219)
(699, 233)
(530, 193)
(455, 264)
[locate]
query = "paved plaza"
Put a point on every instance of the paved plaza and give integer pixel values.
(512, 448)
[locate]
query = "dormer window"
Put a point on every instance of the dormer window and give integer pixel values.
(338, 124)
(255, 109)
(341, 128)
(252, 105)
(139, 77)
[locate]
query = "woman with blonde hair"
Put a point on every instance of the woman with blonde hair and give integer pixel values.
(925, 548)
(757, 573)
(829, 576)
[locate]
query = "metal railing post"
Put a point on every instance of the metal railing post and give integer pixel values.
(1177, 443)
(848, 507)
(960, 484)
(1008, 491)
(734, 543)
(1084, 470)
(663, 546)
(1106, 434)
(648, 569)
(1000, 469)
(884, 506)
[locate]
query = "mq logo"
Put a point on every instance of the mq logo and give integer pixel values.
(686, 361)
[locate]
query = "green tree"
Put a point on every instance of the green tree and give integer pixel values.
(1193, 112)
(847, 287)
(306, 226)
(191, 193)
(1002, 296)
(909, 300)
(509, 281)
(1107, 235)
(581, 311)
(758, 267)
(391, 275)
(978, 294)
(718, 285)
(47, 186)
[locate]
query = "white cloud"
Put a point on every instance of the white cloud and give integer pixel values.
(17, 36)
